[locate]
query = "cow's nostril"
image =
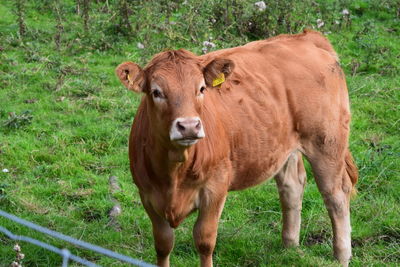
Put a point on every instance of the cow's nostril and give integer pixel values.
(180, 126)
(198, 125)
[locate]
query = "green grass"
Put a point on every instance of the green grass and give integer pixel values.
(71, 118)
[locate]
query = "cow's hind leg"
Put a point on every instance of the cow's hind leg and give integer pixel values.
(334, 177)
(291, 180)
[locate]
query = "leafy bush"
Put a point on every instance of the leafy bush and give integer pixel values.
(152, 26)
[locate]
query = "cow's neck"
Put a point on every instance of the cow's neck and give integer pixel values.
(177, 156)
(172, 199)
(169, 162)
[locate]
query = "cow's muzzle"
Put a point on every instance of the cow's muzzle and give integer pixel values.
(186, 131)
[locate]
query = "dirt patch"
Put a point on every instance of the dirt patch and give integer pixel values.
(91, 214)
(317, 238)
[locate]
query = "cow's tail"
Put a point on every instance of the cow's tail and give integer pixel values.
(351, 170)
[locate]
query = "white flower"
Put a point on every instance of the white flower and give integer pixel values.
(337, 22)
(345, 12)
(140, 45)
(17, 248)
(204, 50)
(5, 170)
(209, 44)
(320, 23)
(261, 6)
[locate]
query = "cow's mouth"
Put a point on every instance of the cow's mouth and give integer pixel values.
(186, 141)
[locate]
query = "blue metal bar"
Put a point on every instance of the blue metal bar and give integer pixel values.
(66, 255)
(74, 241)
(46, 246)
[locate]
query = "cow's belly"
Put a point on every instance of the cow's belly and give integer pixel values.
(251, 172)
(259, 154)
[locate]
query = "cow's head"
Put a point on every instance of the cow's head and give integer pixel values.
(175, 83)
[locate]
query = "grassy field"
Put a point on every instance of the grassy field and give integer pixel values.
(65, 120)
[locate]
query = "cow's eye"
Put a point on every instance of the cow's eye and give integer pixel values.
(157, 93)
(202, 89)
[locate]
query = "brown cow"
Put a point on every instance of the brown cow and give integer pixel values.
(231, 119)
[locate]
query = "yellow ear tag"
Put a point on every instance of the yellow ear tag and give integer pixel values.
(219, 80)
(130, 79)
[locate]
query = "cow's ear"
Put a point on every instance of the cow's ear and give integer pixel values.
(217, 71)
(131, 75)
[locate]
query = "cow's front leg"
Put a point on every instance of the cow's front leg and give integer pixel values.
(205, 229)
(163, 236)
